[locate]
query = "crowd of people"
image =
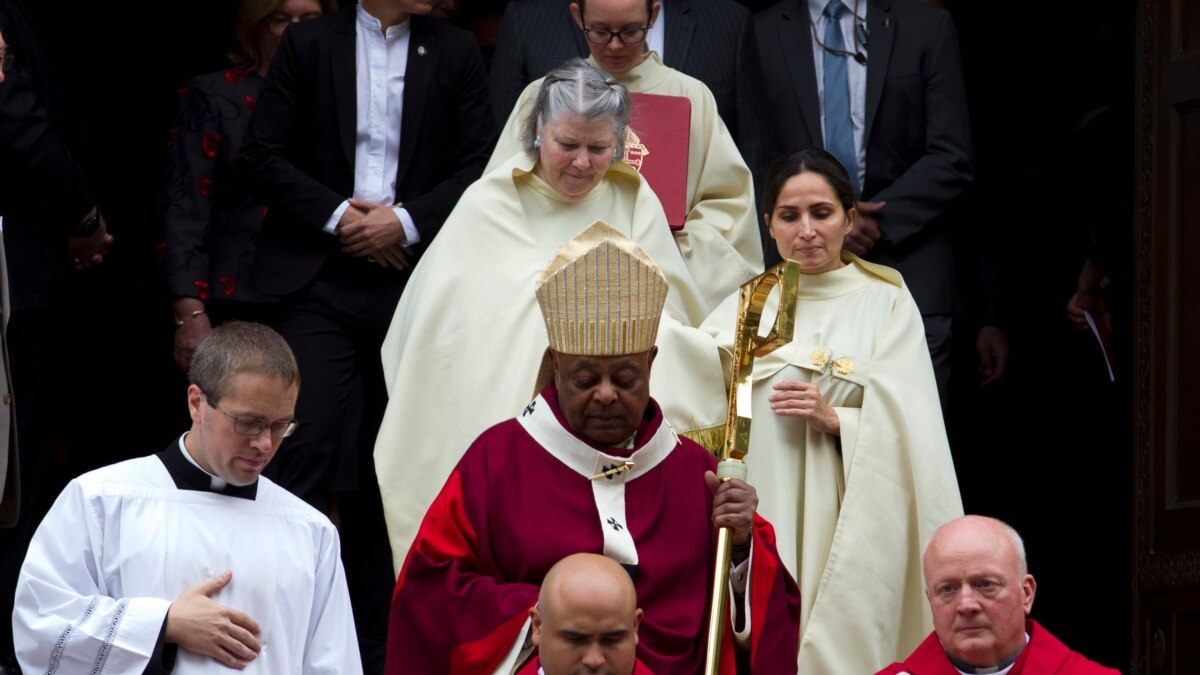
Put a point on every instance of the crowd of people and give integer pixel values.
(446, 453)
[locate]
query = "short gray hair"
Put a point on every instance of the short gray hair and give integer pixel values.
(1017, 543)
(240, 347)
(578, 88)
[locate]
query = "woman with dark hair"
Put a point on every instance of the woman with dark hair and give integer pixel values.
(211, 223)
(848, 449)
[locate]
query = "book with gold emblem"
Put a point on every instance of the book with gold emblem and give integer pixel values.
(656, 146)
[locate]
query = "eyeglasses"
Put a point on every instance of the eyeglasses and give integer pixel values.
(247, 427)
(6, 61)
(279, 22)
(626, 36)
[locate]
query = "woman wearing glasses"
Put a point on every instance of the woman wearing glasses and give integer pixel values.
(211, 223)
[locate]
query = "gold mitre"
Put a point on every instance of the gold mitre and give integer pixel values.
(601, 295)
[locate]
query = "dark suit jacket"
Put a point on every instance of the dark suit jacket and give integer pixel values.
(299, 151)
(44, 189)
(918, 139)
(711, 40)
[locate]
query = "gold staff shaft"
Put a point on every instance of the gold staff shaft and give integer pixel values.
(748, 345)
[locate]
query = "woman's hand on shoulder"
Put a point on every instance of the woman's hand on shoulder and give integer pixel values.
(793, 398)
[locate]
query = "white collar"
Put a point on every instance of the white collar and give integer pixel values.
(215, 483)
(539, 421)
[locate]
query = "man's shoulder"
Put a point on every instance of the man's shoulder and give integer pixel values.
(1044, 654)
(288, 505)
(927, 659)
(340, 21)
(686, 456)
(1053, 656)
(791, 9)
(502, 445)
(692, 451)
(500, 435)
(915, 15)
(918, 9)
(145, 471)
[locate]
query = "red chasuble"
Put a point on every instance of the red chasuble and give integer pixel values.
(512, 508)
(1044, 655)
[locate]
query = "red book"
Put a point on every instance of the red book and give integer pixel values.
(656, 146)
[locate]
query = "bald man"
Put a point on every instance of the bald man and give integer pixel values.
(981, 593)
(586, 619)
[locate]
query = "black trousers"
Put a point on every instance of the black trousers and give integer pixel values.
(335, 327)
(938, 336)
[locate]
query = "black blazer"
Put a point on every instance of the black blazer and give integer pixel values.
(44, 187)
(918, 138)
(711, 40)
(299, 150)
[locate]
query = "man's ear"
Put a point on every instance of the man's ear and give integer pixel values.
(535, 616)
(1028, 589)
(196, 399)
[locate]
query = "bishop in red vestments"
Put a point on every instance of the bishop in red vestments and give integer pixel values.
(590, 465)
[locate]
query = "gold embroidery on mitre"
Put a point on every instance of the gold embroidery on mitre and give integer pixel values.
(635, 150)
(820, 357)
(601, 295)
(844, 366)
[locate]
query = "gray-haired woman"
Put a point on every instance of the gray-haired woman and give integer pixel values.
(467, 338)
(577, 129)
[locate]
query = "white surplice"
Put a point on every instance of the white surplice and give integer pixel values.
(122, 542)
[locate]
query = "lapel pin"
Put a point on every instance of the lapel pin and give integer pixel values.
(421, 50)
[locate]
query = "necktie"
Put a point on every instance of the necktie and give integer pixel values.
(839, 132)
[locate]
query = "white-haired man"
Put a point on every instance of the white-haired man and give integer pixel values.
(981, 593)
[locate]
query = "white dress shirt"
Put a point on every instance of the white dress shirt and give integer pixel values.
(381, 59)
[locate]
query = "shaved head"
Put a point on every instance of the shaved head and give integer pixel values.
(586, 618)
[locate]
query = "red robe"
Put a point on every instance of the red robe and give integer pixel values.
(511, 509)
(1044, 655)
(531, 668)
